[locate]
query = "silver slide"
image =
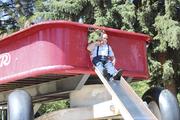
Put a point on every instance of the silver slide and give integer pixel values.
(129, 103)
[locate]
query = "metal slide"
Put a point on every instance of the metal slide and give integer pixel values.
(130, 105)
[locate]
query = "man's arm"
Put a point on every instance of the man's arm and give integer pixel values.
(91, 46)
(113, 60)
(111, 55)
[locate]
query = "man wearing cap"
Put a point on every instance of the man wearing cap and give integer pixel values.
(102, 57)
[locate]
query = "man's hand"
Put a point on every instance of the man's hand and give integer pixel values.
(91, 46)
(91, 29)
(112, 58)
(114, 61)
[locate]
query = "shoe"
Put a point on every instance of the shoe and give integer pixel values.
(111, 79)
(105, 74)
(118, 75)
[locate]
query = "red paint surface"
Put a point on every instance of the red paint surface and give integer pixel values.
(59, 47)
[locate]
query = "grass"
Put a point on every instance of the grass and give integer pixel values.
(178, 97)
(140, 87)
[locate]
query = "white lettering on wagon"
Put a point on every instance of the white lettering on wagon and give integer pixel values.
(5, 59)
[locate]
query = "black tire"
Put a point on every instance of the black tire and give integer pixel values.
(20, 106)
(162, 103)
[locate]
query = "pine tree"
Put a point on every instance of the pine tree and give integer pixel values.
(14, 13)
(160, 19)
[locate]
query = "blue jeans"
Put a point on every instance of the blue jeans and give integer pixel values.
(102, 63)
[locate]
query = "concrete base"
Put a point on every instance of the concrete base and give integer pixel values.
(89, 95)
(90, 102)
(101, 111)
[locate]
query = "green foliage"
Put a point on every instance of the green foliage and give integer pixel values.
(156, 71)
(13, 14)
(168, 33)
(146, 16)
(172, 9)
(178, 97)
(160, 19)
(127, 12)
(95, 35)
(64, 10)
(140, 87)
(53, 106)
(167, 70)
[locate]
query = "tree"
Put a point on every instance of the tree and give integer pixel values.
(14, 13)
(160, 19)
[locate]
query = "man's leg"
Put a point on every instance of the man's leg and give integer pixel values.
(118, 75)
(100, 67)
(110, 69)
(115, 74)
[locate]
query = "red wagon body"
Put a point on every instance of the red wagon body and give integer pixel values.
(59, 47)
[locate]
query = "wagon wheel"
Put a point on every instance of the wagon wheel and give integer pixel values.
(20, 106)
(162, 103)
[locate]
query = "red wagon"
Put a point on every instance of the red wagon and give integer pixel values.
(59, 47)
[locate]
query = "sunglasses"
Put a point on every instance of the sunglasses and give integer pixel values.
(105, 38)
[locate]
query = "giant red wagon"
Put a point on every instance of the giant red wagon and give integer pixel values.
(59, 47)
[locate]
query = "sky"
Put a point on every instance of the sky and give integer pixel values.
(2, 13)
(3, 0)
